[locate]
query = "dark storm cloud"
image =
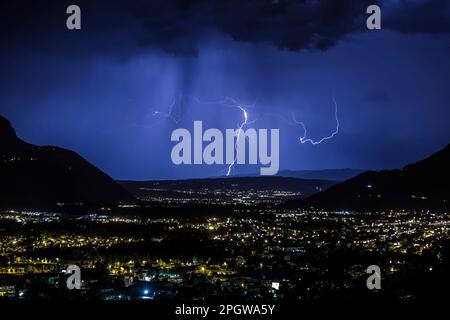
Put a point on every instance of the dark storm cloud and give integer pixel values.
(287, 24)
(178, 26)
(293, 25)
(419, 16)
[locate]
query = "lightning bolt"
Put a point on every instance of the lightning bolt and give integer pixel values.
(244, 123)
(170, 113)
(232, 103)
(311, 141)
(225, 102)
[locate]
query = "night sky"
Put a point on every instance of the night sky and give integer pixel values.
(115, 90)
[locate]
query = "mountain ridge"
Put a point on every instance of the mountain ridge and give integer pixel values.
(420, 185)
(47, 176)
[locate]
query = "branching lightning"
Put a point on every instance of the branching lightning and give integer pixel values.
(244, 123)
(226, 102)
(232, 103)
(303, 139)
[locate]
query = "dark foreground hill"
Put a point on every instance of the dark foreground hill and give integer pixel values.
(422, 185)
(48, 177)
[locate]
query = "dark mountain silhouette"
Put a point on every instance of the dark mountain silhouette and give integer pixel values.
(214, 187)
(46, 177)
(422, 185)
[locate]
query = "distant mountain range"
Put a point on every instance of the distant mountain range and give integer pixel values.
(325, 174)
(48, 177)
(216, 186)
(422, 185)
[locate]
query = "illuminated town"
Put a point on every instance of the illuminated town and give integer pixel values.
(295, 255)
